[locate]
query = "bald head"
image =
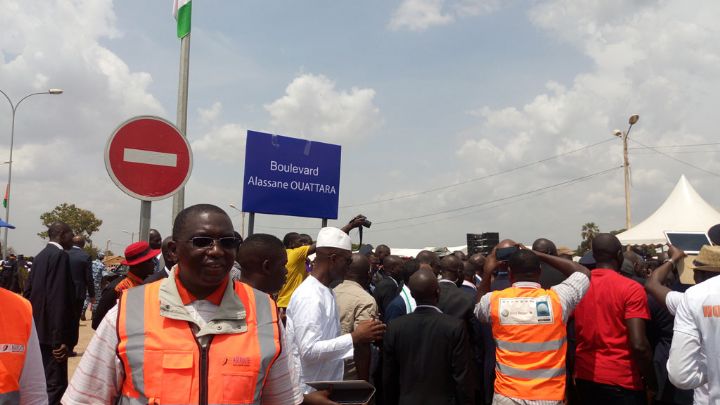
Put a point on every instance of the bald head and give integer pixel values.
(78, 241)
(382, 251)
(392, 265)
(451, 267)
(424, 287)
(607, 251)
(359, 270)
(506, 243)
(546, 246)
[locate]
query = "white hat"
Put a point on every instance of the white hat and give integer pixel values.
(334, 238)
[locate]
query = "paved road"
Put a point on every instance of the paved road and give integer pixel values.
(86, 333)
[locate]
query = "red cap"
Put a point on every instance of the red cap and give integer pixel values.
(139, 252)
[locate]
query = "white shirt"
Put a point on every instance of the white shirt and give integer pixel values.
(701, 394)
(313, 328)
(32, 380)
(469, 284)
(99, 376)
(408, 299)
(695, 351)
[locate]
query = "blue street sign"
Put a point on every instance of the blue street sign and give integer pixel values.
(290, 176)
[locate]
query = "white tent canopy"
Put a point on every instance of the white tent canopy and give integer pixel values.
(683, 210)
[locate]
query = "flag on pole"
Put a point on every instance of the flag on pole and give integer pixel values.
(7, 196)
(182, 11)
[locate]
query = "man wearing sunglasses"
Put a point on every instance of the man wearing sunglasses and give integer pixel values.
(194, 337)
(313, 325)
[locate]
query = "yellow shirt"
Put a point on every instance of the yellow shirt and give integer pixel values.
(296, 273)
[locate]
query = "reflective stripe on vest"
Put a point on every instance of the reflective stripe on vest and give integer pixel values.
(10, 398)
(531, 374)
(530, 335)
(162, 357)
(16, 327)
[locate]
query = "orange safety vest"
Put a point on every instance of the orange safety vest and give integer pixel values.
(530, 334)
(165, 364)
(16, 320)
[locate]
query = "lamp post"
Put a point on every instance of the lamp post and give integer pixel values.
(242, 229)
(626, 164)
(132, 235)
(14, 108)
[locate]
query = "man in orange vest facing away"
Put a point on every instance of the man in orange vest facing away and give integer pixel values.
(195, 337)
(22, 379)
(529, 324)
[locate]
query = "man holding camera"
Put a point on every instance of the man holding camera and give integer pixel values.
(298, 253)
(529, 323)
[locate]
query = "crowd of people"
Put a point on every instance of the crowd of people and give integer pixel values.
(204, 316)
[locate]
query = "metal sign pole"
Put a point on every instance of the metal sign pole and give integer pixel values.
(145, 207)
(324, 222)
(179, 197)
(251, 224)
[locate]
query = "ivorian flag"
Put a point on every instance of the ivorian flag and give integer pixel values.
(182, 11)
(7, 196)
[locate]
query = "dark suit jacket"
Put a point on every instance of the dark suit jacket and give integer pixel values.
(385, 291)
(51, 291)
(427, 360)
(156, 276)
(395, 309)
(81, 270)
(455, 302)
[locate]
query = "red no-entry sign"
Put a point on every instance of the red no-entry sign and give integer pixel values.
(148, 158)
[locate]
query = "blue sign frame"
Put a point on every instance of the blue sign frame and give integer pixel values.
(291, 176)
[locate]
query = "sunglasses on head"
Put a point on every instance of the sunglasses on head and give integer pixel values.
(205, 242)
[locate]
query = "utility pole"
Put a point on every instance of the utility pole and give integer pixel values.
(626, 166)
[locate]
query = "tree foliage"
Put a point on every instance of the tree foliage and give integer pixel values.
(588, 232)
(81, 221)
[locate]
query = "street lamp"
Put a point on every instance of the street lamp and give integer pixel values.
(14, 108)
(626, 164)
(132, 235)
(242, 230)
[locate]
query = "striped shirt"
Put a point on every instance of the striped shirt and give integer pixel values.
(99, 376)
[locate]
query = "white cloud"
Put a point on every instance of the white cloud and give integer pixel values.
(419, 15)
(59, 139)
(313, 108)
(659, 60)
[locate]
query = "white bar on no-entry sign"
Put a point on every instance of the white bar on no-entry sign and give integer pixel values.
(149, 157)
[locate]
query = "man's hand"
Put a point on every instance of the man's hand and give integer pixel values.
(92, 301)
(357, 221)
(61, 353)
(676, 254)
(368, 331)
(319, 398)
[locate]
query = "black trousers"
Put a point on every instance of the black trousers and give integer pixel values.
(56, 375)
(592, 393)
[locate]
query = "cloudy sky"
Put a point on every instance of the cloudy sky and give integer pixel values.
(442, 107)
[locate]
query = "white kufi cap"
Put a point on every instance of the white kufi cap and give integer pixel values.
(334, 238)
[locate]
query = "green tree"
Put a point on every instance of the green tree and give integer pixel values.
(588, 232)
(82, 222)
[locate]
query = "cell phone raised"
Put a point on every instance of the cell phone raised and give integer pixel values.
(503, 254)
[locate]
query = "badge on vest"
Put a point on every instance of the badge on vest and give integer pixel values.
(526, 311)
(11, 348)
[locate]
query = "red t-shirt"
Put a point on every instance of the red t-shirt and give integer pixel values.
(603, 346)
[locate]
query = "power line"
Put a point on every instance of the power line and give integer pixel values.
(567, 182)
(675, 159)
(688, 145)
(477, 178)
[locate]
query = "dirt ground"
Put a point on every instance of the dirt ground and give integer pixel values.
(86, 333)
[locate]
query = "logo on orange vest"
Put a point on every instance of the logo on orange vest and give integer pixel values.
(526, 311)
(240, 361)
(11, 348)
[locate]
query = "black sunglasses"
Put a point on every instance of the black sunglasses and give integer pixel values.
(206, 242)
